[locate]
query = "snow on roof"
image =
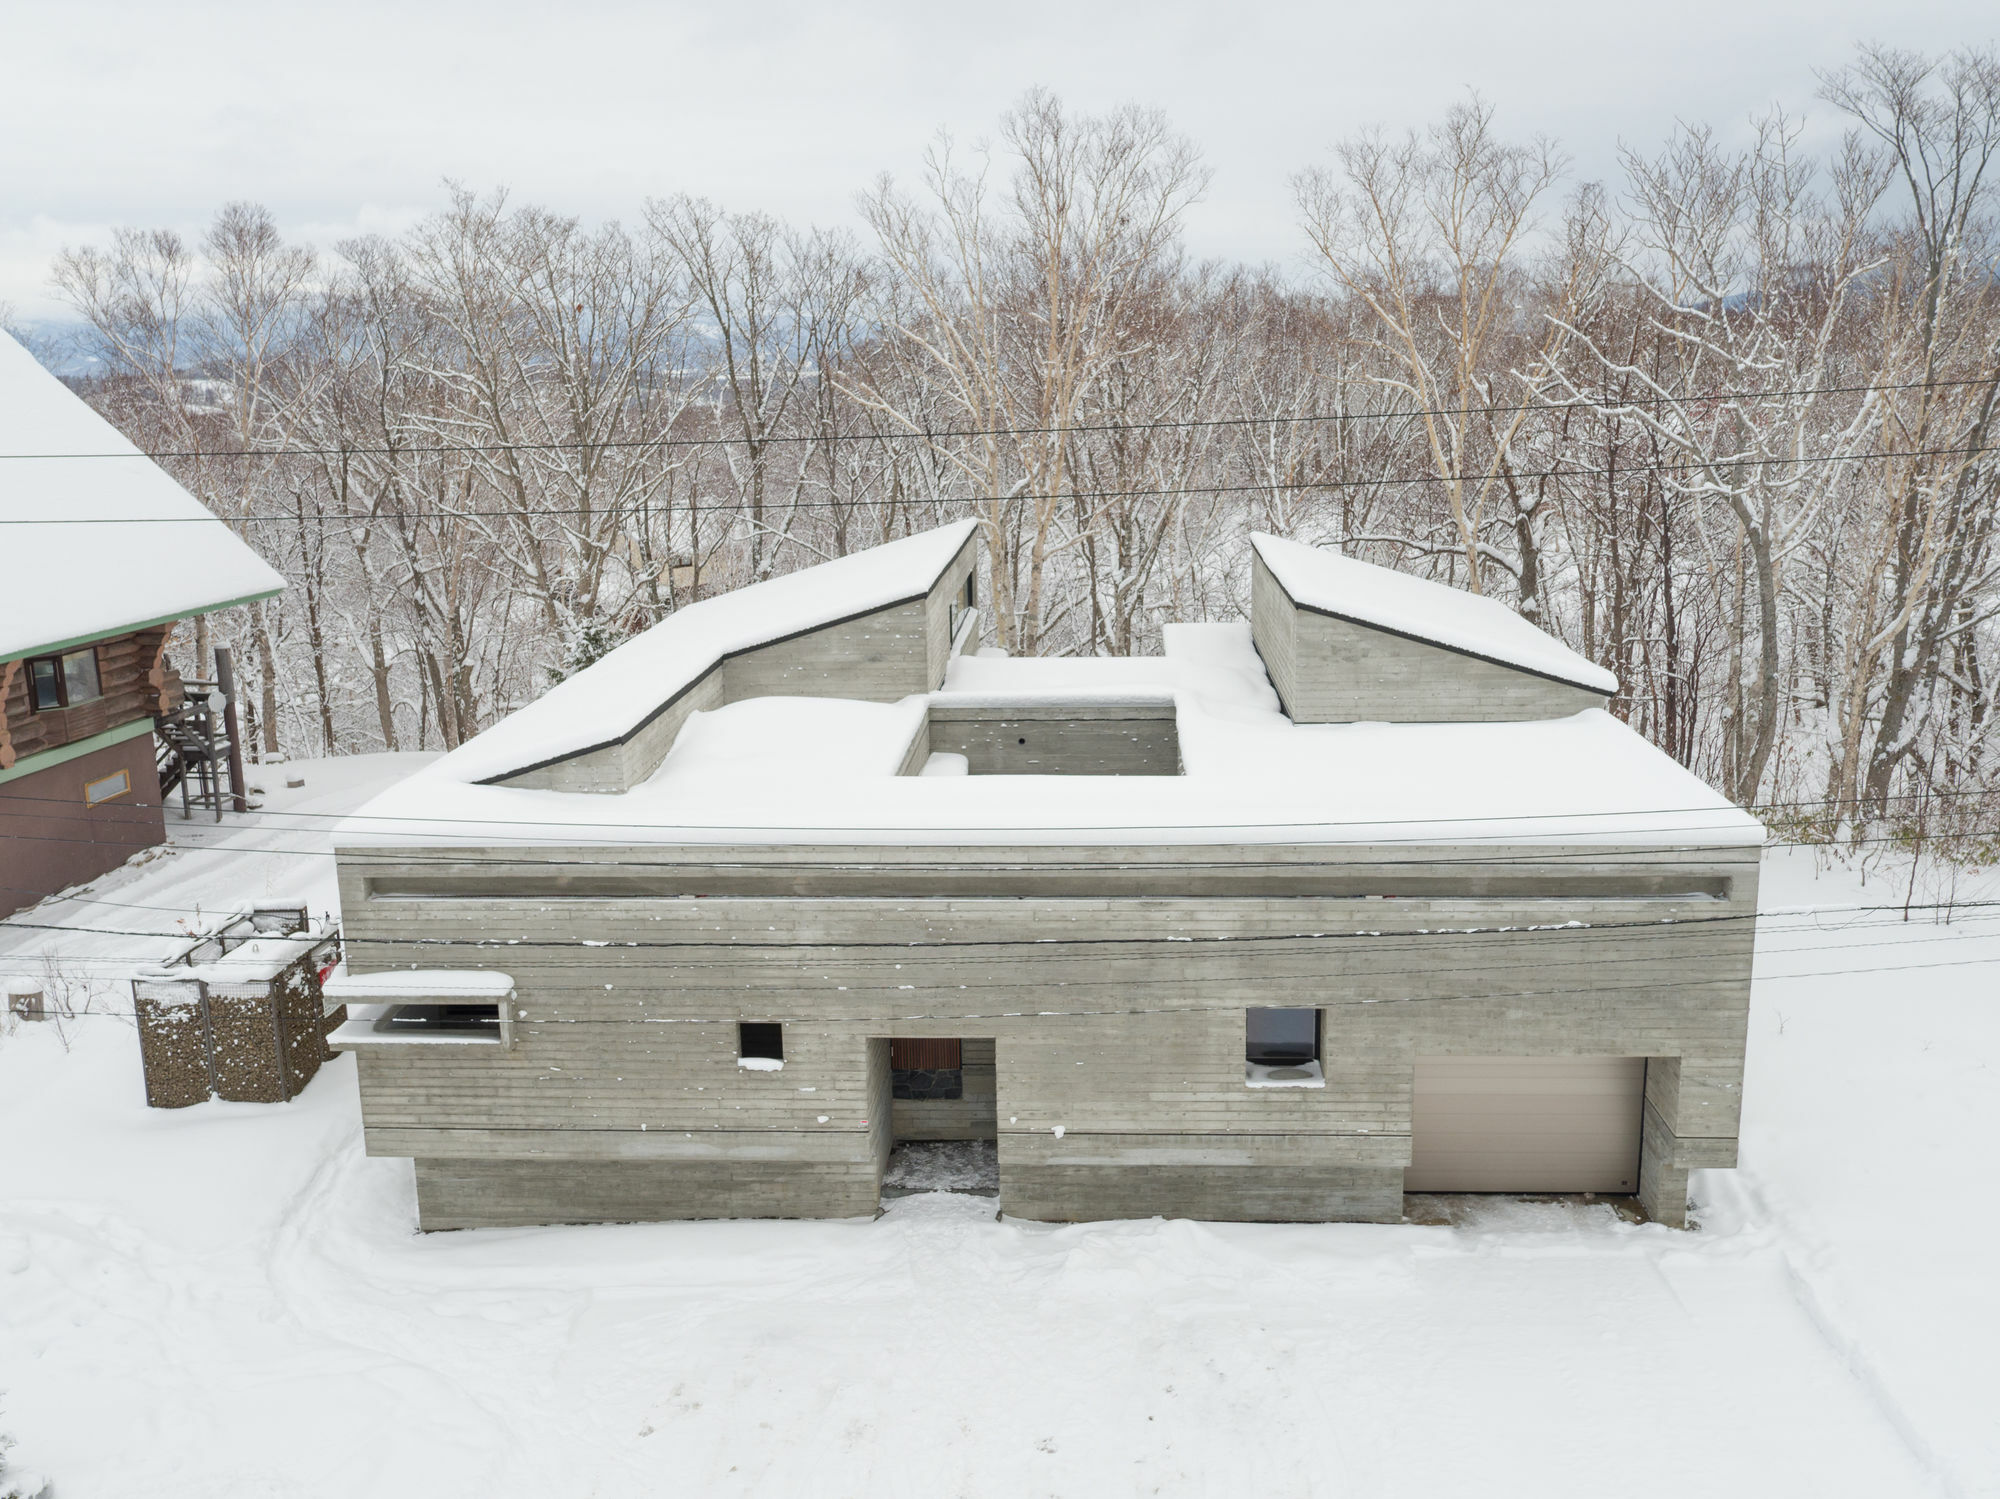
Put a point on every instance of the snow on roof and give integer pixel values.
(823, 740)
(68, 582)
(827, 775)
(256, 961)
(1384, 599)
(611, 698)
(419, 984)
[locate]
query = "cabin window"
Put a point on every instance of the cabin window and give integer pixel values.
(45, 682)
(64, 681)
(1281, 1049)
(760, 1045)
(105, 788)
(80, 682)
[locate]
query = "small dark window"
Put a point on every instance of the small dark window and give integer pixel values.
(1281, 1038)
(760, 1040)
(45, 683)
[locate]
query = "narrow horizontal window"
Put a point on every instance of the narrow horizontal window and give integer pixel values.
(104, 788)
(371, 1027)
(1052, 882)
(470, 1019)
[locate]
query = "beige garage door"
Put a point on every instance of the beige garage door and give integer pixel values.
(1526, 1124)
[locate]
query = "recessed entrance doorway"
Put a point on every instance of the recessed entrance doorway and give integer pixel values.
(944, 1117)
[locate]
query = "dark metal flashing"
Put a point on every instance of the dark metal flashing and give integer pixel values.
(723, 660)
(1456, 650)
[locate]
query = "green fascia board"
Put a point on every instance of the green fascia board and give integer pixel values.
(46, 759)
(142, 624)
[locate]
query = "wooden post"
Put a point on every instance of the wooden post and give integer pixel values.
(225, 677)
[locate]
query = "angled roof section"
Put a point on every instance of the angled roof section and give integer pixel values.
(614, 698)
(1380, 598)
(101, 543)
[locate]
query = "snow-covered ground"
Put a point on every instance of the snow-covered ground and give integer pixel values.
(229, 1300)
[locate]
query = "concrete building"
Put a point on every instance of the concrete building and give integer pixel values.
(1365, 896)
(102, 556)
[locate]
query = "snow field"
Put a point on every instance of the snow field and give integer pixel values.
(270, 1324)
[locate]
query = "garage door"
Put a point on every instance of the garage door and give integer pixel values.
(1526, 1124)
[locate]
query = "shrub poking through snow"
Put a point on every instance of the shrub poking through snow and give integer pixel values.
(18, 1483)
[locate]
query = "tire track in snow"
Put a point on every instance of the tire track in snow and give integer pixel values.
(1800, 1254)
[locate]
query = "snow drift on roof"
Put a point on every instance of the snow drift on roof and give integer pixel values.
(608, 700)
(419, 984)
(68, 582)
(1385, 599)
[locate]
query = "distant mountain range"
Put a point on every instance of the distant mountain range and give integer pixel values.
(58, 344)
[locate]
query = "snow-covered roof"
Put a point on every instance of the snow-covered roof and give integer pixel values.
(104, 542)
(616, 695)
(817, 771)
(1384, 599)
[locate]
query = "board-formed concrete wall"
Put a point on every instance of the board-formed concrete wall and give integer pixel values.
(1332, 670)
(1117, 1020)
(1070, 739)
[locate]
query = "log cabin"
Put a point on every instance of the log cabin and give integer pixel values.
(102, 557)
(1364, 896)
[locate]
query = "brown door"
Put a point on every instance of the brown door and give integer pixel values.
(924, 1056)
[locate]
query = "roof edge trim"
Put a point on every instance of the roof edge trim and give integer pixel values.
(76, 749)
(142, 624)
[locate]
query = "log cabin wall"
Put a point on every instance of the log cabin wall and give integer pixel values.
(63, 817)
(137, 683)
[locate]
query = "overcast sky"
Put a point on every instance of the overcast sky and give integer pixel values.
(348, 117)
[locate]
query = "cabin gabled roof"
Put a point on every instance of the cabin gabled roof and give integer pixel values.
(95, 538)
(1380, 598)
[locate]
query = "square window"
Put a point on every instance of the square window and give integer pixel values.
(1281, 1038)
(1281, 1049)
(45, 683)
(760, 1045)
(79, 674)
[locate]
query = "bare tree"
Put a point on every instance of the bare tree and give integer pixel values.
(1012, 308)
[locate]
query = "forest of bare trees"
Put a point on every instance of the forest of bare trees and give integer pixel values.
(1725, 424)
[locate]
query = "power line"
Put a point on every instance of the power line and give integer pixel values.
(943, 434)
(403, 855)
(364, 856)
(1755, 809)
(730, 953)
(364, 817)
(935, 1016)
(722, 507)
